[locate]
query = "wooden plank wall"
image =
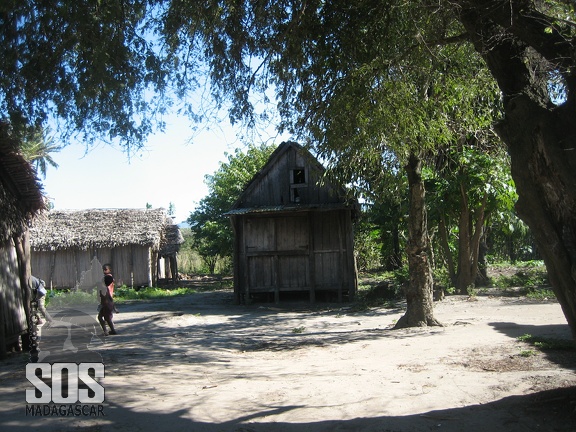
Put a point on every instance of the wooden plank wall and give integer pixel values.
(12, 314)
(274, 187)
(298, 251)
(131, 265)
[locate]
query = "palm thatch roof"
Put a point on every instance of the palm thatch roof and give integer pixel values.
(172, 240)
(102, 228)
(20, 193)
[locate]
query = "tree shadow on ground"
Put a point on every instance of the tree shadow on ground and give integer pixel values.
(246, 328)
(550, 411)
(149, 340)
(564, 354)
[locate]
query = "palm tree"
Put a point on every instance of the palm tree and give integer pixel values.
(36, 146)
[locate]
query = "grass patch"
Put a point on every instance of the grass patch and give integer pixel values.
(540, 293)
(530, 274)
(124, 293)
(378, 289)
(527, 353)
(58, 299)
(548, 343)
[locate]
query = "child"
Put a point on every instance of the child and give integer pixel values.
(106, 312)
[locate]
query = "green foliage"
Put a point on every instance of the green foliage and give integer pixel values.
(380, 289)
(68, 298)
(124, 293)
(188, 259)
(510, 239)
(531, 275)
(540, 293)
(94, 66)
(212, 235)
(36, 146)
(548, 343)
(171, 209)
(527, 353)
(367, 248)
(442, 278)
(382, 223)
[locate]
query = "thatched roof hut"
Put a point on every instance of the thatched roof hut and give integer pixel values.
(20, 200)
(65, 242)
(20, 194)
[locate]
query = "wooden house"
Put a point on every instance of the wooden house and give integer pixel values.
(20, 200)
(70, 246)
(293, 230)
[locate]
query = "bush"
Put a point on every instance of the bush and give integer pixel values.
(529, 276)
(57, 299)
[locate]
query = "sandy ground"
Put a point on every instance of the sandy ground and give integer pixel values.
(200, 363)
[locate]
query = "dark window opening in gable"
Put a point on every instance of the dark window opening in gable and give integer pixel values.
(298, 181)
(299, 176)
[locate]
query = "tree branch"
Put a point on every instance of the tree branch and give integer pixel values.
(521, 19)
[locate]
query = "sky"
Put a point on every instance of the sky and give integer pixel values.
(171, 169)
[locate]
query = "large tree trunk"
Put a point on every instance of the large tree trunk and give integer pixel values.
(419, 292)
(394, 260)
(540, 143)
(464, 275)
(445, 244)
(541, 137)
(469, 241)
(482, 275)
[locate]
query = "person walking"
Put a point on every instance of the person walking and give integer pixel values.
(106, 310)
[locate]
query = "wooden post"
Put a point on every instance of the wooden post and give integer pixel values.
(3, 352)
(22, 246)
(276, 277)
(311, 257)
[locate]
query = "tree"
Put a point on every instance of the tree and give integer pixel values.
(470, 183)
(419, 290)
(529, 48)
(37, 147)
(358, 99)
(88, 64)
(212, 233)
(526, 45)
(93, 65)
(171, 209)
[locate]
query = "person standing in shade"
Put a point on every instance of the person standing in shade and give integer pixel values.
(39, 287)
(106, 292)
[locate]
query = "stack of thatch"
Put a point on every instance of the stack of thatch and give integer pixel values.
(171, 240)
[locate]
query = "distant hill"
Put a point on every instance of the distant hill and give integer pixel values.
(183, 224)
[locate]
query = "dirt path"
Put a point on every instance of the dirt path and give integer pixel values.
(200, 363)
